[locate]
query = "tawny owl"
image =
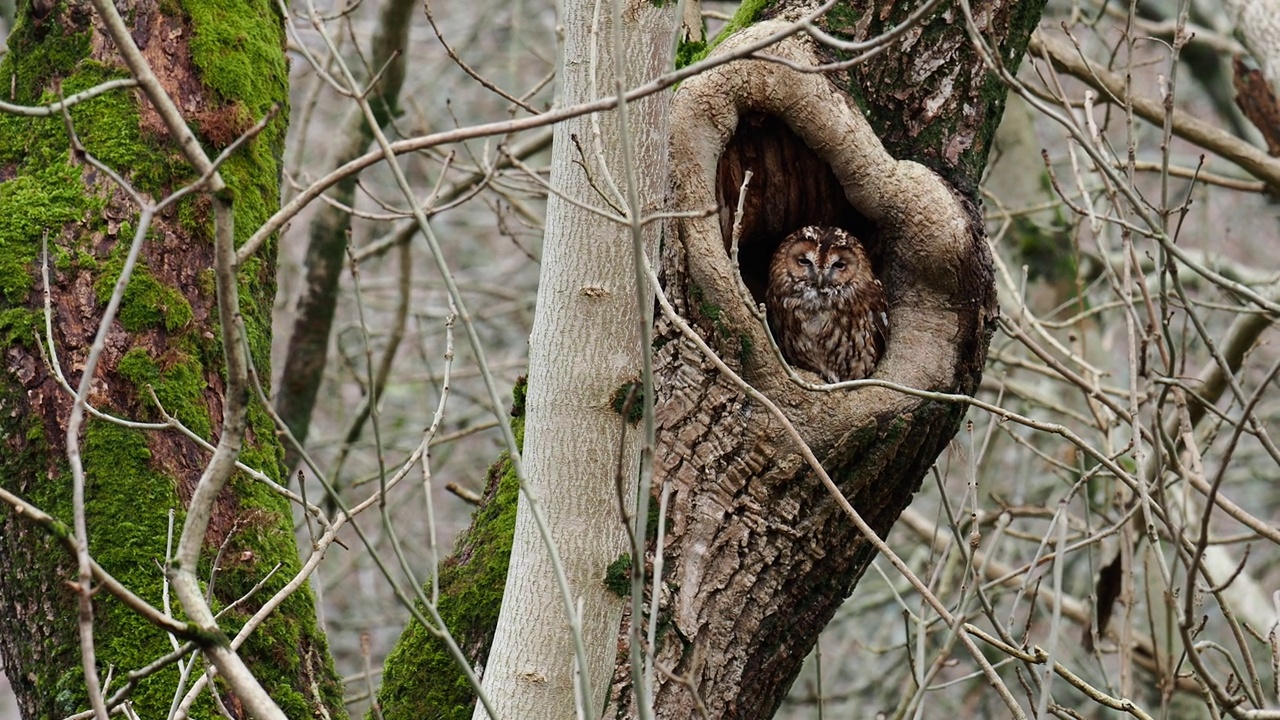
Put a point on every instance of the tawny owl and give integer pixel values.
(826, 309)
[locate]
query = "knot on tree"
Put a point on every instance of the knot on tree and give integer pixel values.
(758, 554)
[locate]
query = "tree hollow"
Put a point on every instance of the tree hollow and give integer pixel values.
(757, 554)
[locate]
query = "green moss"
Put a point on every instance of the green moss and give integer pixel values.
(237, 46)
(206, 282)
(651, 520)
(179, 386)
(689, 52)
(86, 261)
(62, 259)
(264, 453)
(519, 394)
(147, 303)
(748, 13)
(42, 198)
(421, 679)
(20, 326)
(237, 49)
(191, 214)
(710, 311)
(127, 508)
(110, 129)
(48, 192)
(47, 50)
(628, 400)
(275, 652)
(617, 577)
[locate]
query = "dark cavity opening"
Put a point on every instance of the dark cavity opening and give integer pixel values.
(790, 187)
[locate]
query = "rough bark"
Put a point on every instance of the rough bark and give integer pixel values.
(1258, 24)
(225, 68)
(929, 96)
(758, 556)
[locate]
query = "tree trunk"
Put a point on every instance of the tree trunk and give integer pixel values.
(224, 65)
(327, 236)
(585, 349)
(758, 555)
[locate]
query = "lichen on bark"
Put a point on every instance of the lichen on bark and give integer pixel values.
(931, 98)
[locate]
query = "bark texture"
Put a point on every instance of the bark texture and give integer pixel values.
(929, 96)
(225, 68)
(758, 556)
(1258, 24)
(584, 346)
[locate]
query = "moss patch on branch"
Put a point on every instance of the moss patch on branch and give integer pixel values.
(421, 679)
(749, 12)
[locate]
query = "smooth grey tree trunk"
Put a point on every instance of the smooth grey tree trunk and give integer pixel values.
(585, 347)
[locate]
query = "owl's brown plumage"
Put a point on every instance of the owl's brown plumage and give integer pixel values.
(826, 308)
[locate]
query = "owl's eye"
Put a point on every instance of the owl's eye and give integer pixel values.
(839, 264)
(804, 261)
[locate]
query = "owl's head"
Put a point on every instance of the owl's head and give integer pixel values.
(821, 259)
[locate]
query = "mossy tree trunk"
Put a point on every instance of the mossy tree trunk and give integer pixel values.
(224, 66)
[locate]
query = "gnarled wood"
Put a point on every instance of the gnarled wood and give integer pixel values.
(758, 555)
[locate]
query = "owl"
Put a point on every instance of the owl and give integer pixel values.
(825, 307)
